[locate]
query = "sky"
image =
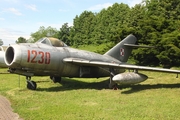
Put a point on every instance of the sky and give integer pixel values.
(20, 18)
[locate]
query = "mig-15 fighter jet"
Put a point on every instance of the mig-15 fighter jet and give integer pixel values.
(2, 52)
(51, 57)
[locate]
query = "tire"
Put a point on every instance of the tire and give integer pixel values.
(31, 85)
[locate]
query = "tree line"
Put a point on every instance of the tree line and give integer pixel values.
(153, 22)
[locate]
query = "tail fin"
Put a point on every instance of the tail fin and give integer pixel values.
(123, 49)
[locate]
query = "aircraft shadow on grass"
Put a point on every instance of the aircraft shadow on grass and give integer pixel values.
(141, 87)
(75, 84)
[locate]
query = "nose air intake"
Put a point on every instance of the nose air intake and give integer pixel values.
(9, 56)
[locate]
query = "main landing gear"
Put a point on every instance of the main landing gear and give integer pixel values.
(112, 84)
(55, 79)
(31, 84)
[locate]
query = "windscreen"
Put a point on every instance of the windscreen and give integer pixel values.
(52, 41)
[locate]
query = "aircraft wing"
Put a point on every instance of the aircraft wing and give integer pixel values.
(84, 62)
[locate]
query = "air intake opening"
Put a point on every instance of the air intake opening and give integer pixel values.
(9, 55)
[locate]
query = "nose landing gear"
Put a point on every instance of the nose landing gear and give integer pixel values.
(31, 84)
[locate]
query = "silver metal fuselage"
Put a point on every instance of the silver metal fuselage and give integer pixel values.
(39, 59)
(2, 52)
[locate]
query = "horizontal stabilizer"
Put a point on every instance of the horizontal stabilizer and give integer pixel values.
(139, 46)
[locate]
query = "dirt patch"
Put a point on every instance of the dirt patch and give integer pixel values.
(6, 112)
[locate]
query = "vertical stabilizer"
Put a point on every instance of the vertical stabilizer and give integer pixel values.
(122, 51)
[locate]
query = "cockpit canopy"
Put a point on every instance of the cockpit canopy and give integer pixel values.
(52, 41)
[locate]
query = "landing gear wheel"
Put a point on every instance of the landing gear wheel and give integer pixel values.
(112, 84)
(31, 85)
(115, 87)
(55, 79)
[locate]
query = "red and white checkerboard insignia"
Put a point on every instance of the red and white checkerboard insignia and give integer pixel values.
(121, 52)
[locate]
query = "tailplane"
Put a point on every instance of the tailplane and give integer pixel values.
(123, 49)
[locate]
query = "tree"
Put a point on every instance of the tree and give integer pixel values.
(1, 42)
(157, 25)
(170, 49)
(63, 34)
(82, 30)
(112, 24)
(44, 32)
(21, 40)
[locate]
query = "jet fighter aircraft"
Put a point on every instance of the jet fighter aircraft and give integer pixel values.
(51, 57)
(2, 52)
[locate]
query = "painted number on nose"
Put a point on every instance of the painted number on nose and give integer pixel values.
(38, 57)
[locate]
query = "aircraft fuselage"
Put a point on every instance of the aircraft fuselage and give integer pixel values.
(42, 59)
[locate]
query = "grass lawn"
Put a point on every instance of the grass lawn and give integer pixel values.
(90, 99)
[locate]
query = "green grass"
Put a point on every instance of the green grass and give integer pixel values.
(90, 99)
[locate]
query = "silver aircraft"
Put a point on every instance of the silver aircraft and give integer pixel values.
(2, 52)
(51, 57)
